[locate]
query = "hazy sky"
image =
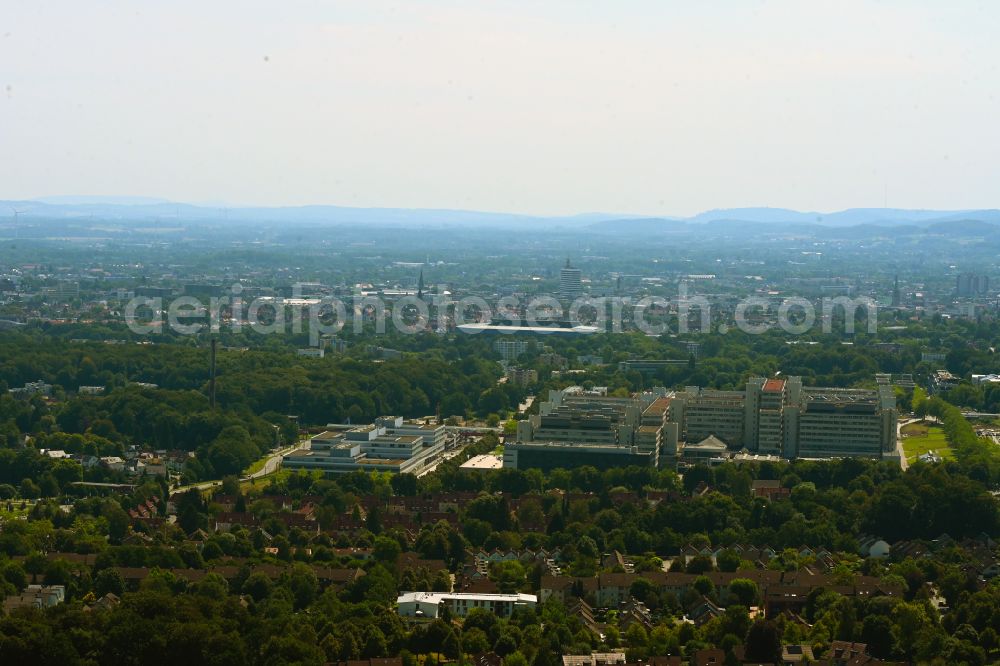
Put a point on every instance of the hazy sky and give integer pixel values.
(536, 106)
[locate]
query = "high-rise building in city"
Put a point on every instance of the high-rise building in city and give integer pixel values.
(972, 284)
(510, 349)
(569, 282)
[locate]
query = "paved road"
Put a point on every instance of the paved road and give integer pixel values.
(433, 467)
(274, 462)
(271, 466)
(899, 442)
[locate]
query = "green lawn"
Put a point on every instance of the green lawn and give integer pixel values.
(18, 511)
(281, 475)
(259, 464)
(919, 438)
(256, 466)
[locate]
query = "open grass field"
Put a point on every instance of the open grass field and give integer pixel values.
(18, 510)
(247, 487)
(919, 438)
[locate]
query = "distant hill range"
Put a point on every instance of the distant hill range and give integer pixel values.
(164, 213)
(149, 211)
(969, 222)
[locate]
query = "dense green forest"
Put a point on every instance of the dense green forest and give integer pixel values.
(259, 388)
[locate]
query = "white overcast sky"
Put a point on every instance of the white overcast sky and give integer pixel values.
(544, 106)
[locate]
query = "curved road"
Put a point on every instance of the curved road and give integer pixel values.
(271, 465)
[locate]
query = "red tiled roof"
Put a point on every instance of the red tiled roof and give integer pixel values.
(774, 385)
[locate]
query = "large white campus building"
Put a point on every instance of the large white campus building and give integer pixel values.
(388, 445)
(575, 427)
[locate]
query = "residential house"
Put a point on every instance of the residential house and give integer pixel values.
(35, 596)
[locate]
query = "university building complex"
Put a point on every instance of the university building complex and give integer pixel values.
(576, 427)
(388, 445)
(776, 417)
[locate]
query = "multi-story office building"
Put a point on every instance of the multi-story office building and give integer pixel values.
(770, 417)
(548, 455)
(570, 286)
(510, 349)
(832, 422)
(654, 422)
(782, 417)
(575, 427)
(388, 445)
(703, 412)
(649, 366)
(521, 376)
(576, 415)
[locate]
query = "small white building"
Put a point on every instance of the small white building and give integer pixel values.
(430, 604)
(32, 388)
(486, 462)
(114, 463)
(149, 466)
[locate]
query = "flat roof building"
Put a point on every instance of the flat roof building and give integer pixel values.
(781, 417)
(35, 596)
(547, 456)
(649, 366)
(603, 430)
(388, 445)
(483, 463)
(430, 604)
(510, 329)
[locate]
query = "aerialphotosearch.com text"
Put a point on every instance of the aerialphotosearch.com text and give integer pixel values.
(539, 314)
